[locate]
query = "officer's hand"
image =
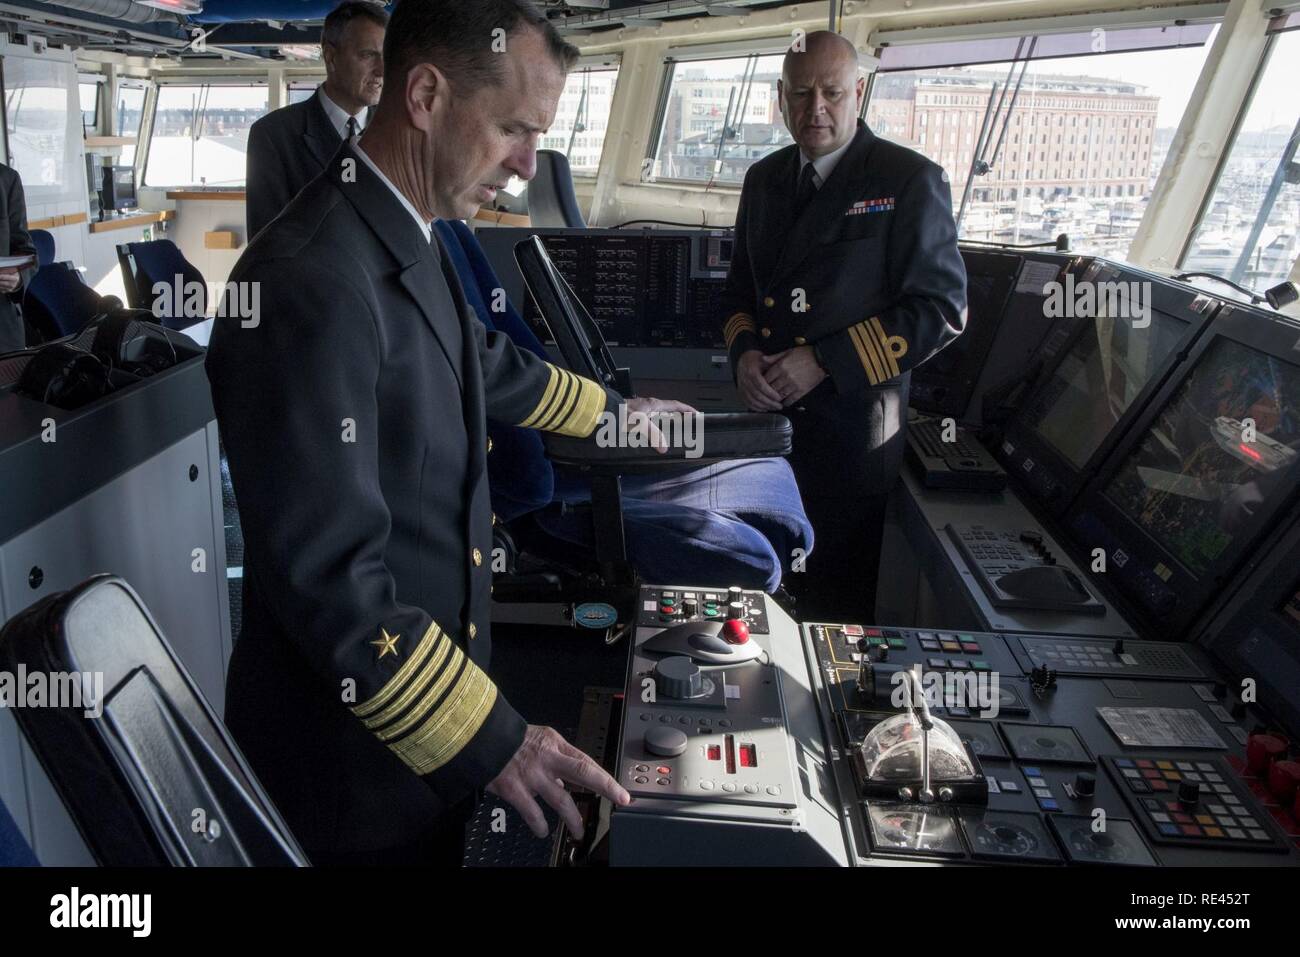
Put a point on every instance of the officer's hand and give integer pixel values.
(542, 762)
(793, 373)
(9, 279)
(641, 415)
(755, 391)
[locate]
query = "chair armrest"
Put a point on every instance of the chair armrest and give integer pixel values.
(720, 437)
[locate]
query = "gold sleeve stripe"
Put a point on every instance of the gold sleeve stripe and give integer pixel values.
(565, 395)
(398, 681)
(866, 354)
(442, 734)
(548, 397)
(446, 655)
(434, 692)
(886, 342)
(586, 410)
(570, 405)
(735, 325)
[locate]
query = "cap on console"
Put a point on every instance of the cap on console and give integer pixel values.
(735, 631)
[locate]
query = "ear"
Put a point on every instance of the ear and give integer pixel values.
(327, 52)
(427, 96)
(861, 88)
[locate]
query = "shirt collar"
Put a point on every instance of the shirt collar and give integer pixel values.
(823, 166)
(338, 116)
(425, 227)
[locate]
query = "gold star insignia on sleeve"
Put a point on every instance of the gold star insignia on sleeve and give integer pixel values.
(387, 644)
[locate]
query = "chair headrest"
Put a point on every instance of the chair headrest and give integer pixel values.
(43, 240)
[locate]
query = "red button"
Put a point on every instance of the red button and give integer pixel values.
(1262, 750)
(735, 631)
(663, 769)
(1283, 779)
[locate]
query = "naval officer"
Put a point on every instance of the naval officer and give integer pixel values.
(353, 411)
(845, 276)
(290, 146)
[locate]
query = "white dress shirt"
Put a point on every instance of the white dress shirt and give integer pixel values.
(338, 116)
(823, 166)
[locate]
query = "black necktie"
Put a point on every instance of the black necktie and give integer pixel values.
(804, 191)
(352, 128)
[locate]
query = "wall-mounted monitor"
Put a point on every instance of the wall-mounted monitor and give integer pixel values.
(1210, 465)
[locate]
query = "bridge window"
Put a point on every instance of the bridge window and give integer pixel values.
(127, 117)
(740, 122)
(1146, 73)
(582, 116)
(200, 134)
(1248, 227)
(299, 90)
(88, 92)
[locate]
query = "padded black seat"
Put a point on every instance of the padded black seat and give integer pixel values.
(155, 779)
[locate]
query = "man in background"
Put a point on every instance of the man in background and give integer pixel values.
(14, 241)
(845, 276)
(289, 147)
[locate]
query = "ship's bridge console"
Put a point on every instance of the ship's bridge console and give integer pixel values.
(1087, 644)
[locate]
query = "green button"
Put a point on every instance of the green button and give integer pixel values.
(897, 642)
(980, 665)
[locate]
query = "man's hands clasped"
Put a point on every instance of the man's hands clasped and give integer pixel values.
(770, 383)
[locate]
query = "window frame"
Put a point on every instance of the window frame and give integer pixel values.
(1257, 77)
(182, 80)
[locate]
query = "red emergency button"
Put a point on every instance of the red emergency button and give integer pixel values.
(1283, 780)
(735, 631)
(1262, 750)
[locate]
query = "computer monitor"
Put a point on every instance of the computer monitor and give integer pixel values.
(1209, 465)
(944, 383)
(119, 187)
(1128, 329)
(1256, 632)
(1007, 339)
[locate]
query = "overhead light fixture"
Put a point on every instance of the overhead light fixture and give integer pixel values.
(187, 7)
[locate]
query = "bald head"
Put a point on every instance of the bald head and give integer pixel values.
(821, 92)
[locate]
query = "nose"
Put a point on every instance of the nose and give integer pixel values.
(522, 161)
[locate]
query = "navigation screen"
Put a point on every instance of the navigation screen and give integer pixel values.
(1108, 365)
(986, 297)
(1225, 444)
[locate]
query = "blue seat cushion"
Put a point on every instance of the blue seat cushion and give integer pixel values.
(56, 296)
(731, 523)
(14, 849)
(520, 477)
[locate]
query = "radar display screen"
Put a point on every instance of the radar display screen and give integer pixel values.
(1110, 362)
(1225, 444)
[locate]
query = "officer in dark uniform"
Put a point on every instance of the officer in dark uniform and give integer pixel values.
(845, 276)
(353, 409)
(289, 147)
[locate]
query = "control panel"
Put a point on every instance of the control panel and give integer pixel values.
(1086, 751)
(1016, 569)
(747, 739)
(718, 736)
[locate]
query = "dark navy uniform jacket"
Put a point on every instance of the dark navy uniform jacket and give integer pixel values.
(354, 418)
(868, 273)
(287, 149)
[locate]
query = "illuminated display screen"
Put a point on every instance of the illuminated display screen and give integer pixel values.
(1094, 385)
(1224, 445)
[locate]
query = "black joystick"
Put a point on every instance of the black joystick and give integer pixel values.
(866, 674)
(1189, 792)
(1085, 784)
(1118, 648)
